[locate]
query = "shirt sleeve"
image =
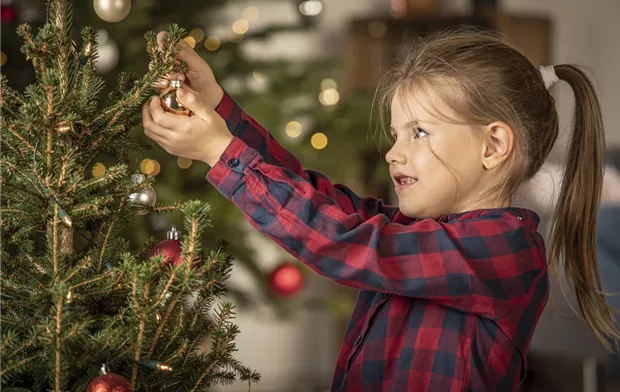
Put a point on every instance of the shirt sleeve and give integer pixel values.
(479, 266)
(244, 127)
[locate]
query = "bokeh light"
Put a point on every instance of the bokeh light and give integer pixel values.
(328, 83)
(98, 169)
(197, 34)
(241, 26)
(319, 141)
(213, 43)
(377, 29)
(329, 97)
(184, 163)
(311, 7)
(150, 167)
(234, 37)
(191, 41)
(250, 13)
(293, 129)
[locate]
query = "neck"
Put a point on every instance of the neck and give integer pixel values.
(485, 203)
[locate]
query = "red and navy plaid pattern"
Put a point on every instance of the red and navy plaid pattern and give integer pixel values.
(445, 305)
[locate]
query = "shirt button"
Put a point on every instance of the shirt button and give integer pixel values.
(357, 340)
(233, 162)
(519, 217)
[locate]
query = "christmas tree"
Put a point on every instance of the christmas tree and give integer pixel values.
(77, 299)
(303, 102)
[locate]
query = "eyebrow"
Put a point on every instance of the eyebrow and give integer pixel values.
(412, 123)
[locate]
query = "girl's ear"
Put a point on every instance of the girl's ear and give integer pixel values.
(498, 144)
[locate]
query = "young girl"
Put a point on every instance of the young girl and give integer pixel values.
(452, 281)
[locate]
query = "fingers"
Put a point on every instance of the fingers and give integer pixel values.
(191, 100)
(153, 130)
(161, 36)
(164, 82)
(162, 118)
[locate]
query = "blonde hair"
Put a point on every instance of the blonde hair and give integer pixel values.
(483, 79)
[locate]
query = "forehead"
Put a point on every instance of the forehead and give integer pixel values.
(419, 104)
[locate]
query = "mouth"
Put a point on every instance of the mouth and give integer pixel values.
(403, 182)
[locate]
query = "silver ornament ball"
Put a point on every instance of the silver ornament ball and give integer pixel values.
(146, 196)
(112, 10)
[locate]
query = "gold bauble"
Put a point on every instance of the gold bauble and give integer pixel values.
(169, 100)
(112, 10)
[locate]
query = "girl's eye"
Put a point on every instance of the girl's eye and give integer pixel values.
(419, 132)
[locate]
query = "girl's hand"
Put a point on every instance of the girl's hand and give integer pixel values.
(199, 77)
(202, 137)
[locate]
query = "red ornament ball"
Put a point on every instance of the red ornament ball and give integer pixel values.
(109, 382)
(8, 13)
(170, 249)
(286, 280)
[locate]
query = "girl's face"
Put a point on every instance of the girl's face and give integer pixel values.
(425, 152)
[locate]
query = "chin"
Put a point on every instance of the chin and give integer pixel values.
(417, 212)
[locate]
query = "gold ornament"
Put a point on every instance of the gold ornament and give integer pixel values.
(112, 10)
(169, 100)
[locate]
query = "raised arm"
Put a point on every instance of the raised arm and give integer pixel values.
(259, 139)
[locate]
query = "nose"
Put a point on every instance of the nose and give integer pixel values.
(396, 154)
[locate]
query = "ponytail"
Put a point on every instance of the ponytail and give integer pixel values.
(573, 233)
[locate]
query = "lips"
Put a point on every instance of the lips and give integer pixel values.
(403, 181)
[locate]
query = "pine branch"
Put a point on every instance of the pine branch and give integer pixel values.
(61, 16)
(164, 62)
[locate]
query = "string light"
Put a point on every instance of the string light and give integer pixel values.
(319, 141)
(293, 129)
(184, 163)
(98, 170)
(2, 58)
(250, 13)
(213, 43)
(198, 34)
(329, 97)
(241, 26)
(191, 41)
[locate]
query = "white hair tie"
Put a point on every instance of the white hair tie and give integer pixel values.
(548, 75)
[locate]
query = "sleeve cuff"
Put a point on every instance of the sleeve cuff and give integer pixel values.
(230, 111)
(227, 173)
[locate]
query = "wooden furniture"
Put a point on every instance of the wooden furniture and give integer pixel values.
(373, 43)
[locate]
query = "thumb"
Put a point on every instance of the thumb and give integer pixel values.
(192, 100)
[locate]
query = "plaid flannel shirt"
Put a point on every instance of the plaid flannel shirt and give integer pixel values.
(446, 304)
